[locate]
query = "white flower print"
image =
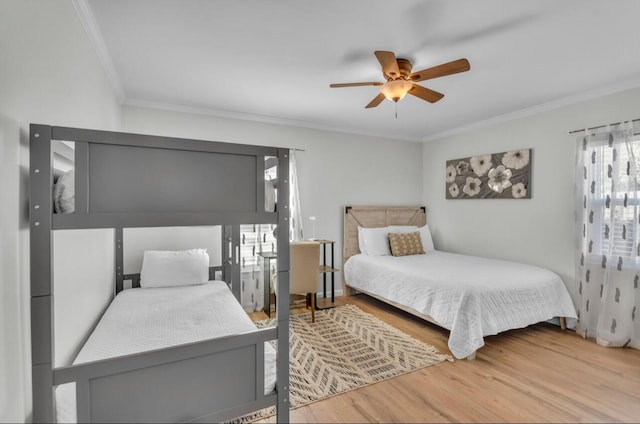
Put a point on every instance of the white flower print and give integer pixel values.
(480, 164)
(462, 167)
(499, 178)
(454, 190)
(518, 191)
(516, 159)
(472, 187)
(451, 173)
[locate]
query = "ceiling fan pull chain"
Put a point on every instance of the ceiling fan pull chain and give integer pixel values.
(396, 109)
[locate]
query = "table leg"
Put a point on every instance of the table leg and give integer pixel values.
(267, 287)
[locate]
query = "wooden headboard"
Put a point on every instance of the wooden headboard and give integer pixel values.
(375, 216)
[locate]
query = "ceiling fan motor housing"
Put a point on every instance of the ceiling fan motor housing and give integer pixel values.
(405, 66)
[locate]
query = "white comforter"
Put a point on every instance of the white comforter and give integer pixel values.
(471, 296)
(145, 319)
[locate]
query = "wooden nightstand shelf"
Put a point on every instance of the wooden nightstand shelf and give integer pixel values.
(327, 269)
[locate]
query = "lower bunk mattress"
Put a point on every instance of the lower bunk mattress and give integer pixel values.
(145, 319)
(470, 296)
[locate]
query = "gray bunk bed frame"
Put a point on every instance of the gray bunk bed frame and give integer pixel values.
(217, 183)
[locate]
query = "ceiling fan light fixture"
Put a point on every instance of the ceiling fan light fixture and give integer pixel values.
(396, 89)
(400, 80)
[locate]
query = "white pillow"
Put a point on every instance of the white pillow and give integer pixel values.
(64, 193)
(427, 242)
(162, 268)
(376, 240)
(361, 245)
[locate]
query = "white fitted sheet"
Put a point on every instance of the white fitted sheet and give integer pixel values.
(142, 319)
(470, 296)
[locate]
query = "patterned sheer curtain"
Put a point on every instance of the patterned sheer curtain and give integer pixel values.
(255, 240)
(295, 226)
(608, 236)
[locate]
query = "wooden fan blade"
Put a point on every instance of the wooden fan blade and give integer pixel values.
(460, 65)
(389, 63)
(376, 101)
(354, 84)
(425, 93)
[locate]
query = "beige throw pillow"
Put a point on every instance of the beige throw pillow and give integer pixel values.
(403, 244)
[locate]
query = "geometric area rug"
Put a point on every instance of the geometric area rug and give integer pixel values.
(343, 350)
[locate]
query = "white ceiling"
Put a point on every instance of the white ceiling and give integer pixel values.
(273, 60)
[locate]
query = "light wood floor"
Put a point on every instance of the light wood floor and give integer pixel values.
(537, 374)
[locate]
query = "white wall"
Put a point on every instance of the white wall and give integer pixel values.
(49, 74)
(12, 293)
(540, 230)
(335, 170)
(137, 240)
(83, 286)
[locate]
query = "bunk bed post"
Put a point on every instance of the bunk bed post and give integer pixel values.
(81, 165)
(260, 183)
(236, 281)
(282, 309)
(119, 260)
(231, 258)
(41, 268)
(225, 235)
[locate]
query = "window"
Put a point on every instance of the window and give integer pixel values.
(615, 204)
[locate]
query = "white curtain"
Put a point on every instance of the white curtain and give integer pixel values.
(608, 236)
(255, 240)
(295, 220)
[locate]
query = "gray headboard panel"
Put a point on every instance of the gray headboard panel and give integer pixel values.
(169, 180)
(133, 180)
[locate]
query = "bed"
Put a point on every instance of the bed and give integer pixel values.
(164, 316)
(470, 296)
(161, 352)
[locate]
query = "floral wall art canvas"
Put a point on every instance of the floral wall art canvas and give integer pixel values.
(505, 175)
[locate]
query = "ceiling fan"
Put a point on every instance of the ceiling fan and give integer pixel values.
(400, 79)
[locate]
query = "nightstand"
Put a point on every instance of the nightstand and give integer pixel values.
(327, 270)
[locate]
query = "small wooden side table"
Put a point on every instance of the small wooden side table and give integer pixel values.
(327, 269)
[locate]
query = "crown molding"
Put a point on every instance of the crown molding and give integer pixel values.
(535, 110)
(259, 118)
(88, 21)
